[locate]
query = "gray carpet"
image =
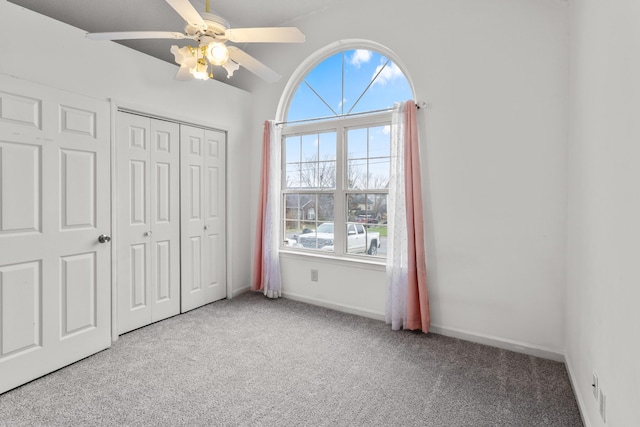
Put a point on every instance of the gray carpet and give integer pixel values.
(256, 362)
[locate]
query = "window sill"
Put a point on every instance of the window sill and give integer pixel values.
(378, 265)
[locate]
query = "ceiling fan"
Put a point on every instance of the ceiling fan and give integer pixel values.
(211, 32)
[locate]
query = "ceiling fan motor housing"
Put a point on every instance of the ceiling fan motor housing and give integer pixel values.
(216, 27)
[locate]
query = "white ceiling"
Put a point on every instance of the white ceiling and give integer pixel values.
(149, 15)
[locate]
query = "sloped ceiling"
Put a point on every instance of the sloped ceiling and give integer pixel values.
(153, 15)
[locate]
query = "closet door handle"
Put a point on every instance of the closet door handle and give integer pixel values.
(103, 238)
(148, 233)
(206, 227)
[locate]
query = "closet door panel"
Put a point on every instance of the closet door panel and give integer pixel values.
(134, 200)
(214, 221)
(203, 219)
(148, 220)
(191, 142)
(165, 219)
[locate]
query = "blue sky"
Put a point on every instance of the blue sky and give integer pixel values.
(360, 67)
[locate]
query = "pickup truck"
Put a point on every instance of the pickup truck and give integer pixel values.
(359, 239)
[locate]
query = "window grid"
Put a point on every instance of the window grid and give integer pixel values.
(367, 224)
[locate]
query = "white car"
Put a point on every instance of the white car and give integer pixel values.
(359, 239)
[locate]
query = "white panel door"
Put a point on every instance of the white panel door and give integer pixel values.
(54, 204)
(165, 219)
(148, 243)
(203, 216)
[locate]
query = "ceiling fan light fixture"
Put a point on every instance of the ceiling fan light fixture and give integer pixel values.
(231, 67)
(217, 53)
(200, 70)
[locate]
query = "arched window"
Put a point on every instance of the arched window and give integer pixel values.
(336, 153)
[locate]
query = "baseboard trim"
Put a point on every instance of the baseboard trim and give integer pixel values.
(512, 345)
(240, 291)
(334, 306)
(576, 392)
(517, 346)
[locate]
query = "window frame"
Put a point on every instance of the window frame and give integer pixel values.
(339, 125)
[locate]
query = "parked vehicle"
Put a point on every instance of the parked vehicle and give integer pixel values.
(359, 239)
(367, 219)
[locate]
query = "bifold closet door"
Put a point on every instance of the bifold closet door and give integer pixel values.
(55, 203)
(148, 240)
(203, 216)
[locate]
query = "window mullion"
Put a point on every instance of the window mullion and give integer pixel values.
(339, 198)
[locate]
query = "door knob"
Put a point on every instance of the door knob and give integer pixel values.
(148, 233)
(103, 238)
(206, 227)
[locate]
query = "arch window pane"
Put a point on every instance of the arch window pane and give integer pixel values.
(352, 81)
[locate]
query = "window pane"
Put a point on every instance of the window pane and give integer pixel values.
(318, 166)
(367, 213)
(356, 174)
(378, 208)
(317, 222)
(380, 141)
(293, 219)
(325, 207)
(292, 145)
(359, 69)
(310, 148)
(323, 80)
(357, 143)
(362, 240)
(374, 144)
(292, 230)
(327, 174)
(327, 147)
(379, 170)
(292, 177)
(355, 206)
(352, 81)
(309, 175)
(291, 206)
(306, 104)
(389, 86)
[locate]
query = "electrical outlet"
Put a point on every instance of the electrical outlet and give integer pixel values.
(603, 406)
(314, 275)
(594, 385)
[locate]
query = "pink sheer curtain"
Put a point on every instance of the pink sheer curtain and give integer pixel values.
(407, 305)
(266, 265)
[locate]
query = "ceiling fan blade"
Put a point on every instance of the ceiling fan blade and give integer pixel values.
(265, 35)
(188, 12)
(253, 65)
(129, 35)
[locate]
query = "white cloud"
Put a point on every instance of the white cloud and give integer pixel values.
(386, 130)
(390, 72)
(341, 103)
(360, 56)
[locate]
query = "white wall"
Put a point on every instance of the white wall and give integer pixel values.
(494, 159)
(36, 48)
(603, 319)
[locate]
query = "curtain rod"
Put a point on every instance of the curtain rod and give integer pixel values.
(418, 106)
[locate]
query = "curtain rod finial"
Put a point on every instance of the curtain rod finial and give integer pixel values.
(421, 104)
